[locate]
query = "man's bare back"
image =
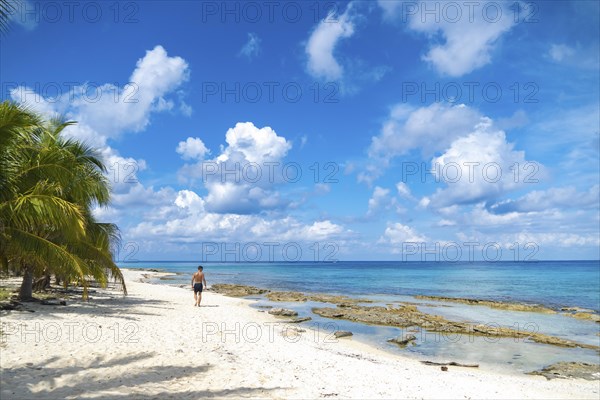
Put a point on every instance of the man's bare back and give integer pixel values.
(198, 277)
(198, 280)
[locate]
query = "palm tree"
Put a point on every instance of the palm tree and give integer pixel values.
(48, 186)
(6, 10)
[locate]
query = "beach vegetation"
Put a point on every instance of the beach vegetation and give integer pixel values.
(49, 185)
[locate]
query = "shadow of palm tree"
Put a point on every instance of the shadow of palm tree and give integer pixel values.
(118, 306)
(91, 379)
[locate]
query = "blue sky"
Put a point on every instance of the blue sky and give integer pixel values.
(283, 128)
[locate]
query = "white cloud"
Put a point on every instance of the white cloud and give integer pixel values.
(390, 7)
(541, 200)
(254, 144)
(321, 230)
(322, 43)
(479, 167)
(252, 47)
(192, 148)
(430, 129)
(481, 216)
(577, 56)
(185, 219)
(561, 239)
(48, 107)
(404, 191)
(185, 109)
(106, 111)
(532, 244)
(446, 222)
(239, 197)
(105, 214)
(468, 37)
(473, 151)
(303, 141)
(396, 234)
(189, 200)
(424, 202)
(155, 76)
(380, 200)
(139, 195)
(242, 177)
(559, 52)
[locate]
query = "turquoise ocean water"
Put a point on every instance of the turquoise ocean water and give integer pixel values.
(554, 284)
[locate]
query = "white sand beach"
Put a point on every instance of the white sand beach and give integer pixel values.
(154, 344)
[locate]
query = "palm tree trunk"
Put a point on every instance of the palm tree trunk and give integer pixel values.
(25, 292)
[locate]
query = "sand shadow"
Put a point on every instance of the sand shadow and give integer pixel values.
(123, 307)
(88, 380)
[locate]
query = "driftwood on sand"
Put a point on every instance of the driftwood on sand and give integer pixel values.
(451, 363)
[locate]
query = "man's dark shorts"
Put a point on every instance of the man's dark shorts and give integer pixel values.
(197, 288)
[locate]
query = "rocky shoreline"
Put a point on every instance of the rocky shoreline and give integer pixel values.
(574, 312)
(491, 303)
(570, 370)
(234, 290)
(405, 315)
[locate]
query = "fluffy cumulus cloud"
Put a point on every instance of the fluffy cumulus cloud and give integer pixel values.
(322, 42)
(246, 141)
(379, 197)
(185, 219)
(466, 152)
(462, 35)
(480, 166)
(396, 235)
(128, 108)
(107, 111)
(429, 129)
(242, 178)
(233, 206)
(139, 195)
(192, 149)
(380, 200)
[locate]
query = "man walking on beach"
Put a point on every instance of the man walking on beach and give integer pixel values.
(197, 281)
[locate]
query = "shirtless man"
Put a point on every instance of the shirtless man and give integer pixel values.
(197, 281)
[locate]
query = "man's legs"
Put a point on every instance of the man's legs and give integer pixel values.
(195, 299)
(199, 298)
